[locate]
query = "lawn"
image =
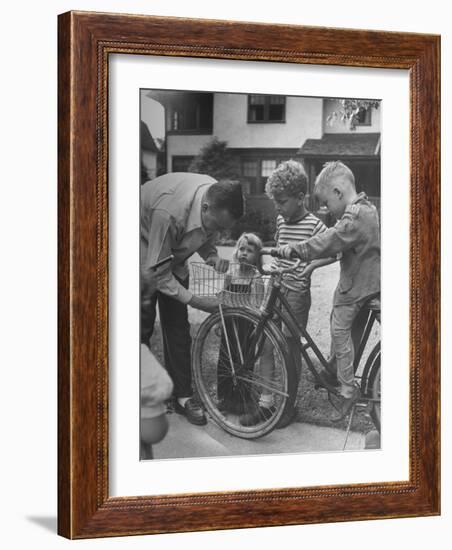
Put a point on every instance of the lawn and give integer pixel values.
(312, 405)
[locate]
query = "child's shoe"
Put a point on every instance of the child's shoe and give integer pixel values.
(328, 379)
(347, 403)
(258, 415)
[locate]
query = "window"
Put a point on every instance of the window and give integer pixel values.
(267, 167)
(181, 163)
(266, 108)
(249, 168)
(192, 113)
(364, 117)
(255, 172)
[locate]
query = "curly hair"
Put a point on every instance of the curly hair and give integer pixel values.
(289, 178)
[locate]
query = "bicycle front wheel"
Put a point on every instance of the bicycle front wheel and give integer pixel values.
(240, 365)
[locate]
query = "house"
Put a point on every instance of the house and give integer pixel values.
(263, 130)
(359, 149)
(149, 153)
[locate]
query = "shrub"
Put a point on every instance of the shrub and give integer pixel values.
(255, 221)
(215, 160)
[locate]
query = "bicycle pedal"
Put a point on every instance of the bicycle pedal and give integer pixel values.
(326, 390)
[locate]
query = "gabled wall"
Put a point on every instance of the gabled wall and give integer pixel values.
(303, 120)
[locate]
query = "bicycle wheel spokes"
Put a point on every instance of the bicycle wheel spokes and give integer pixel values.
(262, 382)
(237, 343)
(232, 382)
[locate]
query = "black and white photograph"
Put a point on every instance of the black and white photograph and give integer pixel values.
(259, 274)
(233, 422)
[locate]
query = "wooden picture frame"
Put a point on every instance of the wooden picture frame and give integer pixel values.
(86, 40)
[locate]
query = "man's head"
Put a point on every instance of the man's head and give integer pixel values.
(287, 187)
(335, 187)
(222, 205)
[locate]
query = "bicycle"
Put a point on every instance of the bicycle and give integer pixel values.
(229, 346)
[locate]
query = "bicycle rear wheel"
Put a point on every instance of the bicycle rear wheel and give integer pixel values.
(375, 392)
(372, 384)
(231, 378)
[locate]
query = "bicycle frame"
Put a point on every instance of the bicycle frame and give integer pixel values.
(270, 309)
(245, 344)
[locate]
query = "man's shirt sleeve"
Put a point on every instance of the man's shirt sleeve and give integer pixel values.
(208, 251)
(160, 235)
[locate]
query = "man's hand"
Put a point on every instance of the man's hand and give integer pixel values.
(148, 285)
(205, 303)
(219, 264)
(149, 280)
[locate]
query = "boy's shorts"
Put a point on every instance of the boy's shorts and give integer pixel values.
(155, 385)
(300, 304)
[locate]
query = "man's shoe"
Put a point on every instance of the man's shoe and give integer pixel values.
(347, 403)
(260, 414)
(192, 411)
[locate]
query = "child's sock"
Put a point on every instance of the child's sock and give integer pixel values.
(266, 401)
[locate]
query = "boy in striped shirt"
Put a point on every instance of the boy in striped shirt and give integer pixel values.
(287, 187)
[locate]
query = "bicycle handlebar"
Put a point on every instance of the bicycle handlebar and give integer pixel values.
(271, 251)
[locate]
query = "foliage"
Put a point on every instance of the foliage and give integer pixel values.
(255, 221)
(160, 143)
(215, 160)
(351, 109)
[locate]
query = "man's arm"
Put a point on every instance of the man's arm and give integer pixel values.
(159, 237)
(209, 254)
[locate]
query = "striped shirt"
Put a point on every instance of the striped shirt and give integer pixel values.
(296, 232)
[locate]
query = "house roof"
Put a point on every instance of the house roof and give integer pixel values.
(147, 141)
(173, 98)
(342, 145)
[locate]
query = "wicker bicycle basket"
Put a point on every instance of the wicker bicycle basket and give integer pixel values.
(241, 286)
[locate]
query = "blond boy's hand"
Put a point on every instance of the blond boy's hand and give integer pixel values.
(307, 271)
(287, 252)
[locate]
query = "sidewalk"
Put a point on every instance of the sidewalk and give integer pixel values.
(186, 440)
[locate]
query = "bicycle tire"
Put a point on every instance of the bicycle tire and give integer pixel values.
(372, 384)
(211, 366)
